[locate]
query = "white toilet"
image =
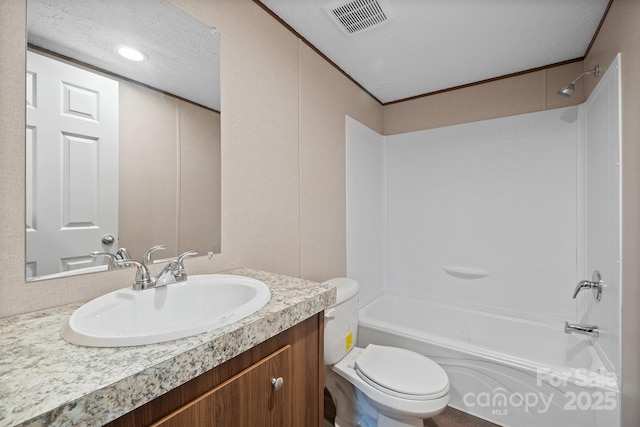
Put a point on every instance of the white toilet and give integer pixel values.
(377, 385)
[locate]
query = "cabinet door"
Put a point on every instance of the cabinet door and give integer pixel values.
(246, 400)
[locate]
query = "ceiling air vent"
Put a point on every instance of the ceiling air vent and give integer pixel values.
(356, 16)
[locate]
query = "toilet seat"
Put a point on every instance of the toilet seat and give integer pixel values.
(401, 373)
(385, 400)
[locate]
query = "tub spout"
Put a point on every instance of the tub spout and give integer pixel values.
(591, 330)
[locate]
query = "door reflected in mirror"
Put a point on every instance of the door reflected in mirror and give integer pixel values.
(112, 161)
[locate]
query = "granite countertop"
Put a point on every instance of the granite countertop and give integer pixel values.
(46, 381)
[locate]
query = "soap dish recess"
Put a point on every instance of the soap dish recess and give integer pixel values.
(465, 272)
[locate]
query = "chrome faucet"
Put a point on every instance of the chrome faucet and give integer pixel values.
(113, 260)
(174, 270)
(143, 279)
(595, 283)
(590, 330)
(171, 273)
(122, 254)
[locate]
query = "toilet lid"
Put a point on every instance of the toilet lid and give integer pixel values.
(402, 372)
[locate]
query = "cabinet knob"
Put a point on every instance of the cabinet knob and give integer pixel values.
(277, 383)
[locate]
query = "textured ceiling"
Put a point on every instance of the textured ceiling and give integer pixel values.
(431, 45)
(183, 54)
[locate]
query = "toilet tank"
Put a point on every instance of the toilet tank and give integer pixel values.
(341, 321)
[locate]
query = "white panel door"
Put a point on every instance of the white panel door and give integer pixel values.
(72, 165)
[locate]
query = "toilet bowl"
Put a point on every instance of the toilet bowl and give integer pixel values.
(377, 385)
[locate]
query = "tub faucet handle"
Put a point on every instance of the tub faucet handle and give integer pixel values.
(595, 283)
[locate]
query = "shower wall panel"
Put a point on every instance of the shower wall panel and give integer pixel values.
(602, 219)
(484, 214)
(366, 244)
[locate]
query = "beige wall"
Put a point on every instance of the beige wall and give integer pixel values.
(535, 91)
(199, 209)
(169, 174)
(621, 33)
(322, 162)
(282, 156)
(145, 142)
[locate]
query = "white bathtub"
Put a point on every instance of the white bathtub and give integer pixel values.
(512, 372)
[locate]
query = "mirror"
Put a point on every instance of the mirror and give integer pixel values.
(120, 153)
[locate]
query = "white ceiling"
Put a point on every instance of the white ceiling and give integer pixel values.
(431, 45)
(183, 54)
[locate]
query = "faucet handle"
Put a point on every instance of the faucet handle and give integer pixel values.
(123, 254)
(143, 280)
(185, 255)
(112, 258)
(174, 270)
(595, 283)
(181, 274)
(146, 259)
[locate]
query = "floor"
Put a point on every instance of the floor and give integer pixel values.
(448, 418)
(454, 418)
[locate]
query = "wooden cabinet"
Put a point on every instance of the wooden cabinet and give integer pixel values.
(240, 392)
(260, 392)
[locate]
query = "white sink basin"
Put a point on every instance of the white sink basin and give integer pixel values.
(200, 304)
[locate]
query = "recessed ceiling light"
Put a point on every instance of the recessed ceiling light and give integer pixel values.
(131, 53)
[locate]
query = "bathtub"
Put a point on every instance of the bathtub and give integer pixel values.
(512, 372)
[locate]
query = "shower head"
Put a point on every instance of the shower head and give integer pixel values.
(567, 90)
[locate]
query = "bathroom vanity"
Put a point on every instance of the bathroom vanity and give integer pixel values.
(267, 366)
(278, 382)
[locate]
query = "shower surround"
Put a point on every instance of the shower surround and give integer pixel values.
(482, 213)
(501, 217)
